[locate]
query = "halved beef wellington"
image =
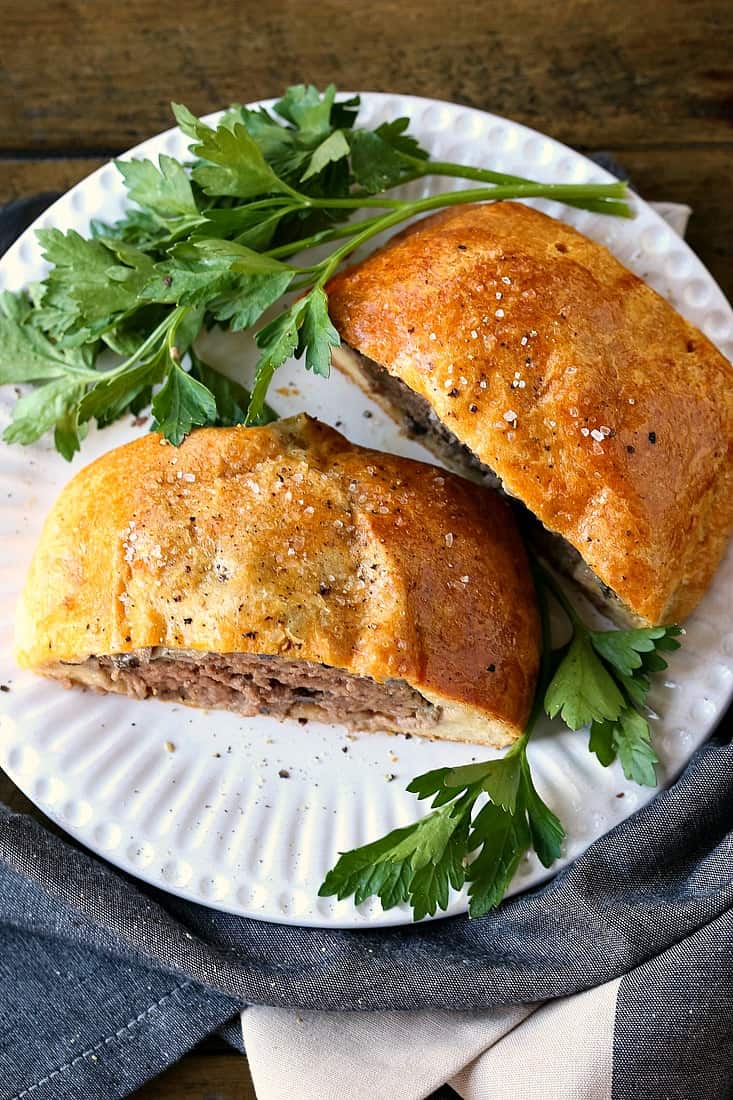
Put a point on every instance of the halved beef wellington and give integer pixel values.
(284, 571)
(525, 354)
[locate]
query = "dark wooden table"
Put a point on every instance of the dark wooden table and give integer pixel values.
(650, 82)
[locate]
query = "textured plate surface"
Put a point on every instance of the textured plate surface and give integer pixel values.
(248, 814)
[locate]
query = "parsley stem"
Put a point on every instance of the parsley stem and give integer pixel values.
(322, 237)
(560, 191)
(350, 203)
(406, 210)
(548, 581)
(176, 317)
(288, 190)
(511, 187)
(461, 171)
(161, 330)
(424, 168)
(545, 671)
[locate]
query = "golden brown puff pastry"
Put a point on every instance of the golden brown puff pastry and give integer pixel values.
(599, 407)
(284, 570)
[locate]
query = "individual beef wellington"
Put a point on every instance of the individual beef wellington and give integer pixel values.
(525, 352)
(282, 570)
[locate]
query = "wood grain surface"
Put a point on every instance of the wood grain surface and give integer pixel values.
(86, 75)
(207, 1075)
(650, 82)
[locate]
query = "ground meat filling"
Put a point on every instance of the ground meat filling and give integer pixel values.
(252, 684)
(422, 421)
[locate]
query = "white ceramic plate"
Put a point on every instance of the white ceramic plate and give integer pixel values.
(247, 815)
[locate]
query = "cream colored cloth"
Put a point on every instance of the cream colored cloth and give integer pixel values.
(561, 1050)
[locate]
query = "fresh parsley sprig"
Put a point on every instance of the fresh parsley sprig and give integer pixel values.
(210, 243)
(602, 681)
(419, 863)
(487, 816)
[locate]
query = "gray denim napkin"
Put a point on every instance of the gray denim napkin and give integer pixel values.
(104, 982)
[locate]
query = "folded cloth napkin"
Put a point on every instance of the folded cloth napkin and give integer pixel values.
(105, 982)
(611, 980)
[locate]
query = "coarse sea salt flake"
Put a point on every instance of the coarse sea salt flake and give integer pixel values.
(499, 313)
(510, 415)
(598, 436)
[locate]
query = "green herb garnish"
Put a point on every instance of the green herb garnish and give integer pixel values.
(601, 680)
(419, 863)
(210, 242)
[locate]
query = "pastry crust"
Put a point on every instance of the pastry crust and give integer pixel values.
(290, 541)
(606, 413)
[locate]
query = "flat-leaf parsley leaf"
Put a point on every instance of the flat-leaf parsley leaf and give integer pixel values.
(207, 242)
